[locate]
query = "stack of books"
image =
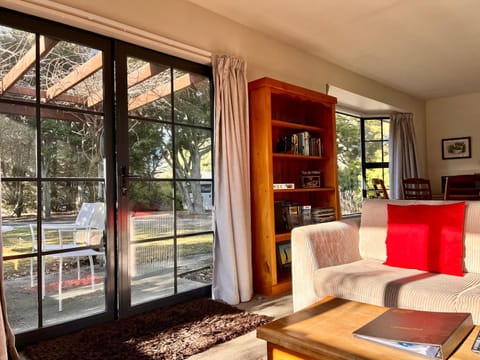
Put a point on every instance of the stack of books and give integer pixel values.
(322, 214)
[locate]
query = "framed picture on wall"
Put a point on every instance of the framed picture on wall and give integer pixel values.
(456, 148)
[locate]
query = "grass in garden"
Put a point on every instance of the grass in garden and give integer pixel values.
(19, 242)
(195, 245)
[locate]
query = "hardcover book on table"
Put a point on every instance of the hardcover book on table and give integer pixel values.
(434, 335)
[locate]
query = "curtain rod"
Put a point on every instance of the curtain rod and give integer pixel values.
(104, 26)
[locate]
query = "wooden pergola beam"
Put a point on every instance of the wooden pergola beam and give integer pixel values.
(25, 63)
(141, 100)
(135, 77)
(20, 90)
(80, 73)
(150, 96)
(144, 73)
(26, 110)
(85, 70)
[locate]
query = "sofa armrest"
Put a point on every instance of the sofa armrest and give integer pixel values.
(317, 246)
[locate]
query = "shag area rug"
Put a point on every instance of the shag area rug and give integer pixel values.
(172, 333)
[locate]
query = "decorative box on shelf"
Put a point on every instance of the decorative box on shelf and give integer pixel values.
(310, 179)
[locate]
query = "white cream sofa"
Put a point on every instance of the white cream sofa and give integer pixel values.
(345, 259)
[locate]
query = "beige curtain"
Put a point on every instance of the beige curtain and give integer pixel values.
(232, 274)
(7, 339)
(403, 152)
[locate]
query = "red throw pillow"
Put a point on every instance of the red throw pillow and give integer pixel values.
(426, 237)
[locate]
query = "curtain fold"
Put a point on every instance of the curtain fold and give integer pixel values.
(7, 339)
(403, 152)
(232, 274)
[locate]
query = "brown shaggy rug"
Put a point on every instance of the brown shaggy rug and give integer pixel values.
(172, 333)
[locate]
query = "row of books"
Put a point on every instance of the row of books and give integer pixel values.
(289, 215)
(301, 143)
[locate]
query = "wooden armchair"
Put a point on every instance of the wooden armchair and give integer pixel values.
(417, 189)
(379, 187)
(463, 187)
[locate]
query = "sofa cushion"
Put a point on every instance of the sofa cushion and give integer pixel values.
(426, 237)
(471, 230)
(373, 226)
(373, 230)
(372, 282)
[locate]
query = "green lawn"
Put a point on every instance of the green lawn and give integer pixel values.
(19, 242)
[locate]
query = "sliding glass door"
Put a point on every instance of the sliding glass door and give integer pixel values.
(165, 164)
(106, 209)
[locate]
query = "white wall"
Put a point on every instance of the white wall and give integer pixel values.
(190, 24)
(452, 117)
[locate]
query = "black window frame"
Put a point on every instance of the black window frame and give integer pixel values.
(373, 165)
(367, 189)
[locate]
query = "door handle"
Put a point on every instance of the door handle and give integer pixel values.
(124, 180)
(123, 175)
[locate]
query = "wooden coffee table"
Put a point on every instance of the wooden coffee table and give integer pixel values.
(324, 331)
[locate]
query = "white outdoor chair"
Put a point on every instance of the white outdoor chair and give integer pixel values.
(87, 230)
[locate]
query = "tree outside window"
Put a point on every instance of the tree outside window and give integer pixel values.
(362, 154)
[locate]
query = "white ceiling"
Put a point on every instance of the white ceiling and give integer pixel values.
(426, 48)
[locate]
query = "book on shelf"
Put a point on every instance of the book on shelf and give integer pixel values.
(283, 186)
(294, 216)
(280, 217)
(303, 142)
(284, 256)
(289, 215)
(306, 214)
(434, 335)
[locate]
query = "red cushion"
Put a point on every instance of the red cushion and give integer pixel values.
(426, 237)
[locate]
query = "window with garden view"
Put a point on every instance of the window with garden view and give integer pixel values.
(362, 154)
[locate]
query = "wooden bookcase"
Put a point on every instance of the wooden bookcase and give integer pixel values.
(279, 110)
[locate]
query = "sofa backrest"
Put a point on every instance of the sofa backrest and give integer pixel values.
(373, 229)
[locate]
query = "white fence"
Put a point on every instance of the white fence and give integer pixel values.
(157, 256)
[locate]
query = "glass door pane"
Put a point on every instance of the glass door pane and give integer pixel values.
(52, 150)
(166, 181)
(151, 240)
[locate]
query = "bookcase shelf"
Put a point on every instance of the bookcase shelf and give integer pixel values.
(278, 111)
(289, 125)
(298, 157)
(302, 190)
(282, 237)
